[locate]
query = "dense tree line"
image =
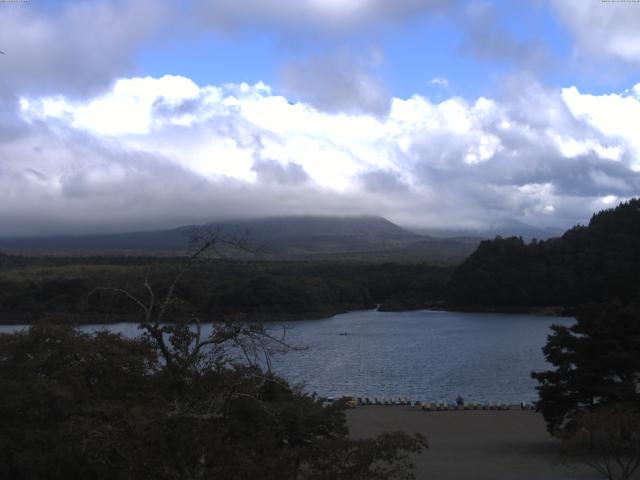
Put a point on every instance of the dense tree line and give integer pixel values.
(58, 288)
(594, 263)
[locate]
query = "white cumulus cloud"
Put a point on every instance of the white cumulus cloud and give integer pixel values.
(162, 151)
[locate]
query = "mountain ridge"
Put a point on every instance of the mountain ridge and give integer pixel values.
(279, 234)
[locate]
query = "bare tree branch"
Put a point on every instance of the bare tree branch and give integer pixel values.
(179, 343)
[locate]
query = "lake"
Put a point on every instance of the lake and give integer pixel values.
(422, 355)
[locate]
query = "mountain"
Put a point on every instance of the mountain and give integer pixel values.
(276, 234)
(598, 262)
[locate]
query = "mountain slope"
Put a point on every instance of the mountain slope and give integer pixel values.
(277, 234)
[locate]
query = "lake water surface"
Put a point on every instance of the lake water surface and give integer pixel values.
(424, 355)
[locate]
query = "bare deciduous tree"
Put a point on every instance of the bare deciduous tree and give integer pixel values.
(177, 332)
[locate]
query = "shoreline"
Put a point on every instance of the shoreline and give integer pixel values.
(101, 319)
(539, 311)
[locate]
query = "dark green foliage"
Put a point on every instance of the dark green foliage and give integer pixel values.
(74, 406)
(57, 288)
(62, 394)
(596, 263)
(597, 364)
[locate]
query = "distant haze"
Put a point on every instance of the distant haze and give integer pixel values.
(303, 236)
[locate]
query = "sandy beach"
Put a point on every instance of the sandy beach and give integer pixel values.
(478, 445)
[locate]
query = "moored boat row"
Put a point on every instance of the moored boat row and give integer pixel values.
(352, 402)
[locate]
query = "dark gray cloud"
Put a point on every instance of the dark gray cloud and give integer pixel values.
(77, 47)
(383, 182)
(608, 31)
(338, 82)
(317, 16)
(273, 172)
(165, 109)
(485, 38)
(11, 126)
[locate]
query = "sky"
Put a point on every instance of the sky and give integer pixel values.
(444, 114)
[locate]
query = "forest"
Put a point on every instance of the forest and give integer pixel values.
(593, 263)
(63, 289)
(598, 262)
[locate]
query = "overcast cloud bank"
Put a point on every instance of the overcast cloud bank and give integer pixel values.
(87, 145)
(159, 151)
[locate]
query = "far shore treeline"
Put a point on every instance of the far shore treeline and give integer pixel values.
(36, 289)
(594, 263)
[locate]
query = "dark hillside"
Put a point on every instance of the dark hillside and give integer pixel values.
(277, 234)
(300, 238)
(598, 262)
